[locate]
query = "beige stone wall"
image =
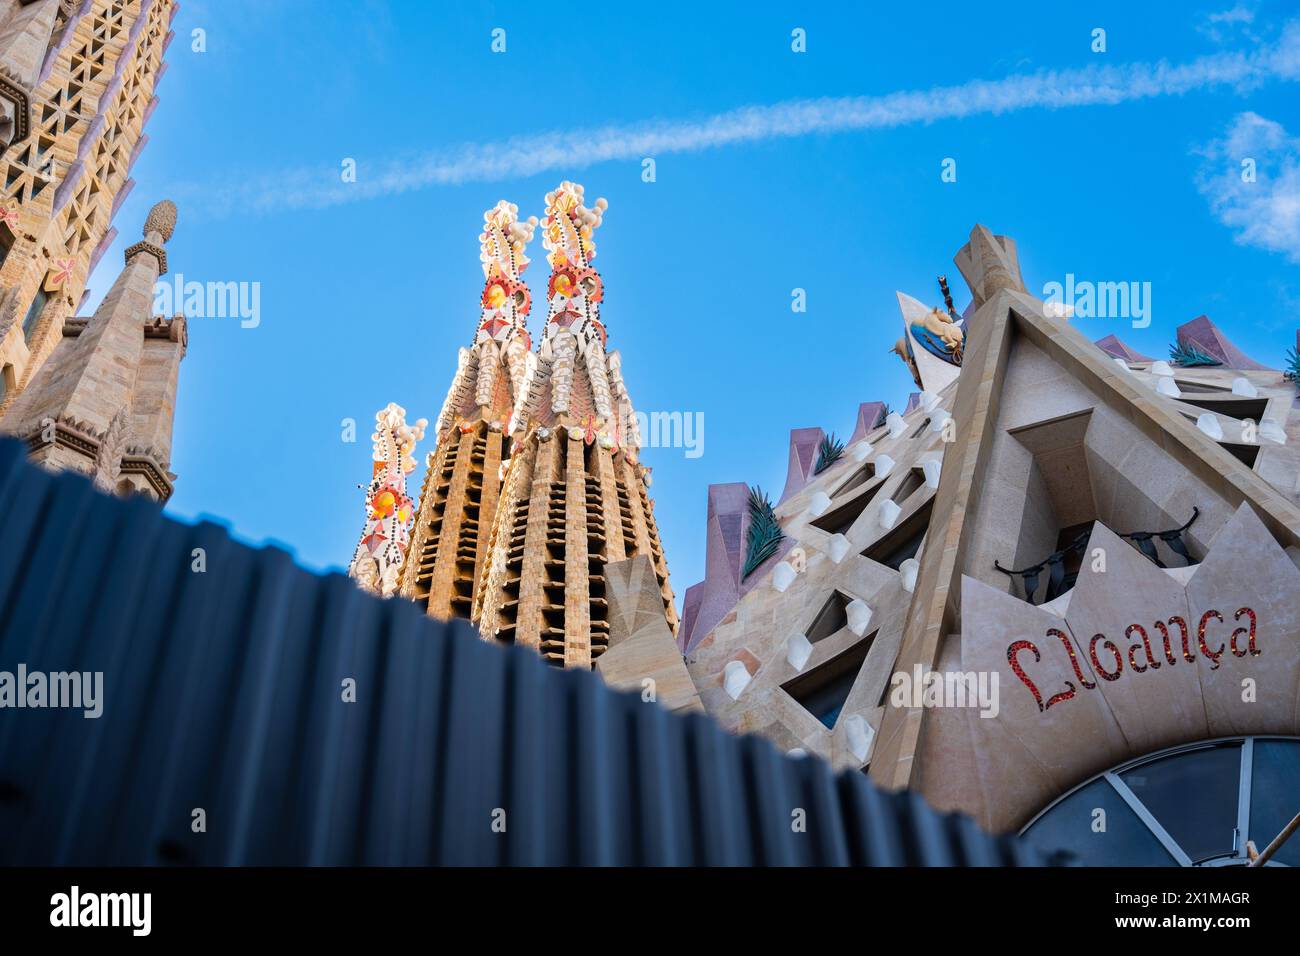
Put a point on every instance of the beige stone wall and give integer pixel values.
(758, 631)
(642, 656)
(45, 236)
(157, 378)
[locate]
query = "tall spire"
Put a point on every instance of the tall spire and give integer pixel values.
(495, 370)
(573, 341)
(575, 497)
(535, 484)
(377, 562)
(473, 431)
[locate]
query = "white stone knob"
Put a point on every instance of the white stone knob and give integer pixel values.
(735, 678)
(1210, 425)
(859, 735)
(1271, 430)
(909, 569)
(797, 651)
(859, 615)
(783, 576)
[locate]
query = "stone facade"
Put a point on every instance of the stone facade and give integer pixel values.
(93, 394)
(104, 401)
(1156, 503)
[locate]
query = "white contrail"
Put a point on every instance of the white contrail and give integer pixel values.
(545, 152)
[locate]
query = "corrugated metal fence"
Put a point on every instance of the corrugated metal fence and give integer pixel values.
(224, 682)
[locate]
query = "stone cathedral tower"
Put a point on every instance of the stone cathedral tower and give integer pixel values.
(575, 497)
(534, 487)
(458, 503)
(95, 394)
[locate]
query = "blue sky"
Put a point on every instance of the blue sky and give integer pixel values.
(1104, 165)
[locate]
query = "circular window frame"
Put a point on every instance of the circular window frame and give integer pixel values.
(1180, 857)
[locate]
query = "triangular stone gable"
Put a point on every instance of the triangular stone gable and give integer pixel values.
(1005, 635)
(1145, 466)
(1246, 571)
(634, 600)
(643, 656)
(1114, 590)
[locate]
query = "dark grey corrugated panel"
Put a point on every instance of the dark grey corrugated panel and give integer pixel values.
(223, 692)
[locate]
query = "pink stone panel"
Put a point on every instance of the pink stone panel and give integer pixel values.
(803, 458)
(1205, 335)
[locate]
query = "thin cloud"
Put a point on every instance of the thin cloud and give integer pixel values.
(1260, 201)
(525, 156)
(1225, 24)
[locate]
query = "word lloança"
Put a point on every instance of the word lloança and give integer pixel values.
(1142, 645)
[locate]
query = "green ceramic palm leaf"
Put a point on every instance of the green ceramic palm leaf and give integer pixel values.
(829, 452)
(764, 535)
(1189, 356)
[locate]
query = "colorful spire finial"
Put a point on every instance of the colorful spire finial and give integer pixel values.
(504, 238)
(575, 289)
(573, 326)
(377, 563)
(568, 227)
(506, 298)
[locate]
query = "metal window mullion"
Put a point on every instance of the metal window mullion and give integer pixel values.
(1244, 795)
(1145, 815)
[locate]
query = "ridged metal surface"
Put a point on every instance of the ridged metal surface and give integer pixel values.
(223, 692)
